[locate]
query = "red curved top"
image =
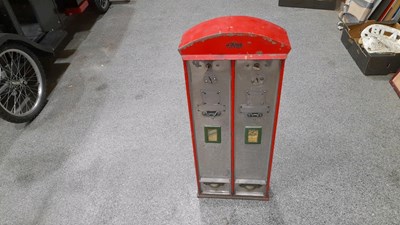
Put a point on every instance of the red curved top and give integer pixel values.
(231, 35)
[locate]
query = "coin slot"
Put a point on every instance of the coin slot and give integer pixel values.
(256, 66)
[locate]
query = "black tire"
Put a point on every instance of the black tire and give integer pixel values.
(22, 84)
(102, 6)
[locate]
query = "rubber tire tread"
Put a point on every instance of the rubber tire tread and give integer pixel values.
(42, 101)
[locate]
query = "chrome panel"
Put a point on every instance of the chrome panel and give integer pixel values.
(256, 85)
(210, 91)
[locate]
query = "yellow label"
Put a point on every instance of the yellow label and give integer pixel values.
(212, 135)
(252, 136)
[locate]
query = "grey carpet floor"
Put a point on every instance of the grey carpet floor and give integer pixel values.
(102, 150)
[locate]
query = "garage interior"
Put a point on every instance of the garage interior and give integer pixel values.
(113, 143)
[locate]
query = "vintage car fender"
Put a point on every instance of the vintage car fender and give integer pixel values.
(36, 47)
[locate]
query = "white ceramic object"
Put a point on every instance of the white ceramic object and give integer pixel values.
(379, 38)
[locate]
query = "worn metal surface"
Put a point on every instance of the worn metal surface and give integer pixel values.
(256, 91)
(210, 94)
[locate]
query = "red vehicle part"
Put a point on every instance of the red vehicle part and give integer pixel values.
(80, 9)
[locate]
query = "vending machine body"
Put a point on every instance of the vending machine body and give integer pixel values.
(234, 70)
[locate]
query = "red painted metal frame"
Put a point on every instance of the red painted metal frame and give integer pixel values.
(233, 75)
(235, 38)
(80, 9)
(196, 162)
(235, 35)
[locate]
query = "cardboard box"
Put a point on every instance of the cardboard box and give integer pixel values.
(313, 4)
(369, 64)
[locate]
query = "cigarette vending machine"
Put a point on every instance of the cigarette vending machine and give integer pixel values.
(234, 70)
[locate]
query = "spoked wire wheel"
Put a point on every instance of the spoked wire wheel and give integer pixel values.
(22, 84)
